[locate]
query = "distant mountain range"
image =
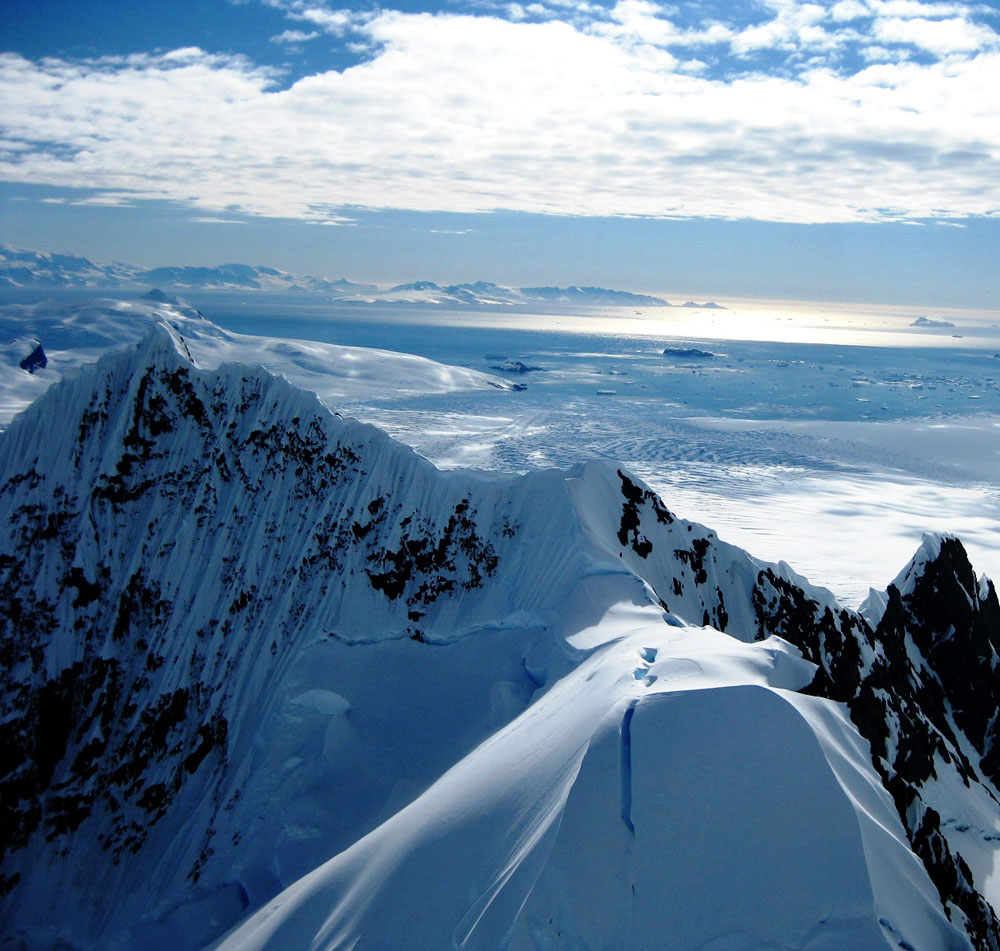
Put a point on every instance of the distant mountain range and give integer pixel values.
(483, 293)
(20, 268)
(24, 268)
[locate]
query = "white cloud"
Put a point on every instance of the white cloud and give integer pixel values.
(883, 54)
(847, 10)
(107, 200)
(336, 22)
(295, 36)
(905, 9)
(186, 54)
(955, 35)
(333, 21)
(473, 113)
(645, 23)
(795, 24)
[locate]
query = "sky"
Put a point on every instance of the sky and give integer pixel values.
(828, 150)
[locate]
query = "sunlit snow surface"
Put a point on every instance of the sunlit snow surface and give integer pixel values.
(833, 450)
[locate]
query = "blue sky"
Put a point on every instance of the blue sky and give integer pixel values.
(838, 149)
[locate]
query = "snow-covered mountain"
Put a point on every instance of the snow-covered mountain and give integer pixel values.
(273, 680)
(483, 293)
(71, 335)
(21, 268)
(249, 277)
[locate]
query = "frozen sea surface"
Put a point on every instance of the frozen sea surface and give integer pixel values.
(833, 449)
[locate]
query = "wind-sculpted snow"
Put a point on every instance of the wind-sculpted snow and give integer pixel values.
(250, 646)
(922, 686)
(644, 802)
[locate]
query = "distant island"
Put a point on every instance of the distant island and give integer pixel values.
(689, 353)
(23, 269)
(931, 322)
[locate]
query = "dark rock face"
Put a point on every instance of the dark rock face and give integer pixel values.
(954, 622)
(922, 687)
(951, 623)
(906, 711)
(164, 547)
(36, 360)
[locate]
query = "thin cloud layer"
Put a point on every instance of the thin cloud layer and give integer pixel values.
(847, 111)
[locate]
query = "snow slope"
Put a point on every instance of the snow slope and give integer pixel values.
(668, 792)
(72, 335)
(269, 672)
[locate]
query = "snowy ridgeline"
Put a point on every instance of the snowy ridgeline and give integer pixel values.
(70, 336)
(272, 680)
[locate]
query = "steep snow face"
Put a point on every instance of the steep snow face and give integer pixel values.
(643, 800)
(176, 542)
(921, 686)
(74, 335)
(240, 633)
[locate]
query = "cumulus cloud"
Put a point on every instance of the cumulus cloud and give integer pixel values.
(942, 37)
(846, 10)
(317, 14)
(295, 36)
(644, 22)
(795, 24)
(917, 8)
(468, 113)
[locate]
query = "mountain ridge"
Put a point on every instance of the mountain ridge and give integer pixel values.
(21, 268)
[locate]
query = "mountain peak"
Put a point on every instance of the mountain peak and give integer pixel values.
(157, 296)
(416, 286)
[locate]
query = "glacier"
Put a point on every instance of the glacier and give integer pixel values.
(272, 679)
